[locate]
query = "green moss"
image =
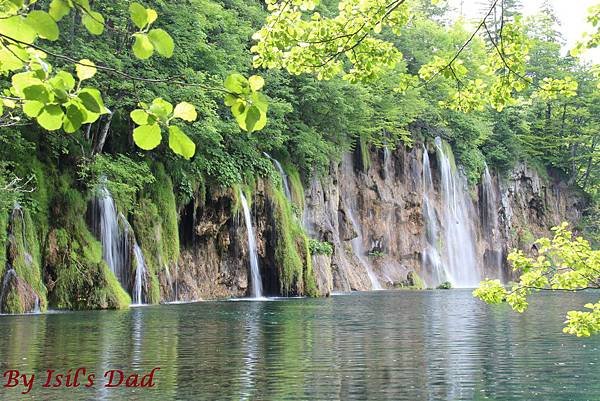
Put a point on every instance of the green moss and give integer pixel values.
(13, 303)
(40, 197)
(413, 282)
(79, 277)
(296, 187)
(25, 253)
(3, 239)
(292, 254)
(149, 234)
(161, 193)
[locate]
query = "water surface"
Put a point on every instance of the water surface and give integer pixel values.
(402, 345)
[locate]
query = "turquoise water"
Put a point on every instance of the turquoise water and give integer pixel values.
(385, 345)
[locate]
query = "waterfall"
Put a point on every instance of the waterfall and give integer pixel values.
(387, 163)
(284, 177)
(432, 261)
(140, 274)
(359, 251)
(36, 307)
(113, 250)
(460, 260)
(256, 281)
(357, 242)
(489, 222)
(489, 214)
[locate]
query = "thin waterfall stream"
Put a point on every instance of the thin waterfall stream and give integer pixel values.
(256, 280)
(284, 177)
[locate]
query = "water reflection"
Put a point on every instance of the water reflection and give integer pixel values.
(414, 346)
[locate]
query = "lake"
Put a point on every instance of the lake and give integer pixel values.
(384, 345)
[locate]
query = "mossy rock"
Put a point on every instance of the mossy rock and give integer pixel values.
(413, 281)
(17, 296)
(292, 253)
(76, 275)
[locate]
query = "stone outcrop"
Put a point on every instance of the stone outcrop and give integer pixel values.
(372, 216)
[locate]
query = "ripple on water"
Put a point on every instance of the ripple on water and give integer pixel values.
(395, 345)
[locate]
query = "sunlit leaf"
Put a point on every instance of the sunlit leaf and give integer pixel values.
(147, 137)
(93, 22)
(185, 111)
(58, 9)
(43, 24)
(138, 14)
(85, 69)
(51, 117)
(162, 42)
(142, 47)
(180, 143)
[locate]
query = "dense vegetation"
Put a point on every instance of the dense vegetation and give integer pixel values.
(544, 111)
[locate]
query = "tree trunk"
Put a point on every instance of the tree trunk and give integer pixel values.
(101, 139)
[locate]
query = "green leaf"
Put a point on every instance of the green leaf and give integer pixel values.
(85, 69)
(260, 101)
(236, 83)
(12, 58)
(147, 137)
(230, 99)
(139, 116)
(73, 118)
(37, 92)
(152, 15)
(261, 123)
(161, 108)
(256, 82)
(32, 108)
(142, 47)
(51, 117)
(22, 80)
(162, 42)
(93, 22)
(43, 24)
(85, 4)
(16, 28)
(63, 80)
(240, 111)
(60, 94)
(180, 143)
(138, 14)
(185, 111)
(58, 9)
(252, 117)
(91, 100)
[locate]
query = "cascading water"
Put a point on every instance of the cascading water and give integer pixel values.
(140, 275)
(459, 259)
(284, 177)
(489, 221)
(357, 243)
(359, 251)
(387, 163)
(256, 280)
(489, 214)
(432, 261)
(113, 250)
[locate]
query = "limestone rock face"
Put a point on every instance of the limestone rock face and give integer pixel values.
(373, 217)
